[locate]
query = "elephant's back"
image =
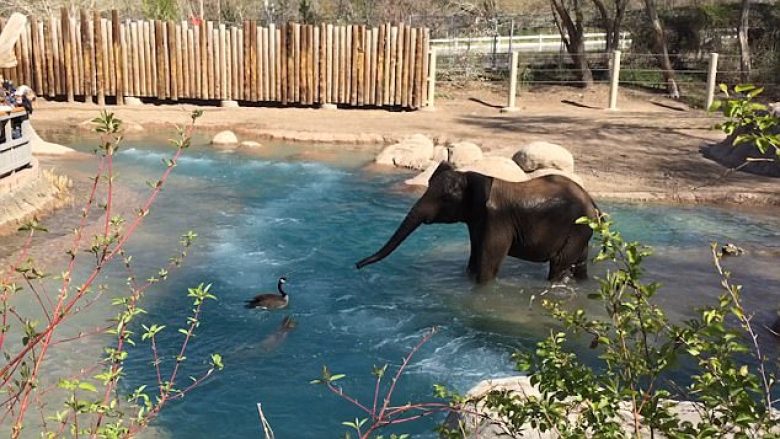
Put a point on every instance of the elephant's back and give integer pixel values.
(550, 192)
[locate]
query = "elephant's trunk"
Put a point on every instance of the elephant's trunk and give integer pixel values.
(409, 225)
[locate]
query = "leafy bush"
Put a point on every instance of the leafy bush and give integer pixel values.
(637, 346)
(751, 121)
(92, 405)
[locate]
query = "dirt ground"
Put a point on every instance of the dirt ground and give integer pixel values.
(647, 150)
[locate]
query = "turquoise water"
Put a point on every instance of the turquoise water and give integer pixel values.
(281, 214)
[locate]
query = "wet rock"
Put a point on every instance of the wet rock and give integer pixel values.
(415, 152)
(498, 167)
(225, 138)
(544, 155)
(423, 178)
(732, 250)
(250, 144)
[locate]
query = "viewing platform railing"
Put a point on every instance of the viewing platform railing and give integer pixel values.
(15, 149)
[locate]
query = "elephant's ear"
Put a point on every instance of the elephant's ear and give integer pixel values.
(443, 167)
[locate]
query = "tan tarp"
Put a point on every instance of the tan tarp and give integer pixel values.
(11, 32)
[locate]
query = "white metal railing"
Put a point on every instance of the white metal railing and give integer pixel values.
(595, 41)
(15, 149)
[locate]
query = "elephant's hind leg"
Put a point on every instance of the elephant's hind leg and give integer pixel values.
(487, 261)
(572, 260)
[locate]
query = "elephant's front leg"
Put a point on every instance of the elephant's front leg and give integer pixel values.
(488, 250)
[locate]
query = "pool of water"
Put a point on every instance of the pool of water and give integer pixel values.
(280, 212)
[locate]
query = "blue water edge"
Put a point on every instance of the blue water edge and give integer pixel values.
(280, 214)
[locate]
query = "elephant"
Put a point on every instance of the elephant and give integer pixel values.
(534, 220)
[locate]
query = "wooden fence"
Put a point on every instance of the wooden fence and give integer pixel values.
(91, 55)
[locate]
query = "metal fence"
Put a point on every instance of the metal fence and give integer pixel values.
(15, 149)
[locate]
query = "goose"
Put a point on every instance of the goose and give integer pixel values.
(271, 300)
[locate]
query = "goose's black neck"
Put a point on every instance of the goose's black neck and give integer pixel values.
(279, 286)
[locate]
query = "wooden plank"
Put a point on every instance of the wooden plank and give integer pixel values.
(217, 87)
(26, 58)
(418, 62)
(52, 66)
(265, 67)
(58, 43)
(233, 48)
(190, 64)
(199, 35)
(425, 67)
(305, 65)
(37, 61)
(328, 82)
(246, 42)
(100, 78)
(117, 49)
(87, 55)
(321, 38)
(315, 54)
(78, 55)
(68, 53)
(180, 44)
(141, 48)
(360, 65)
(367, 67)
(353, 64)
(391, 98)
(158, 61)
(209, 58)
(380, 65)
(411, 67)
(223, 64)
(338, 71)
(109, 65)
(285, 61)
(273, 64)
(374, 62)
(241, 66)
(344, 65)
(173, 61)
(253, 73)
(124, 44)
(296, 63)
(399, 63)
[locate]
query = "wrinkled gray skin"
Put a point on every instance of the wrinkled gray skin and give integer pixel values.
(532, 220)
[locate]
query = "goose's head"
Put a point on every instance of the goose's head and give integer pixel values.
(280, 285)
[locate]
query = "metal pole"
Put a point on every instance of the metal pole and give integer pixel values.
(712, 74)
(510, 107)
(431, 79)
(615, 80)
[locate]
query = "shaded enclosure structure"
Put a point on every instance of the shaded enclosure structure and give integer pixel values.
(100, 56)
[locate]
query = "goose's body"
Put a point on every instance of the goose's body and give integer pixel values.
(271, 300)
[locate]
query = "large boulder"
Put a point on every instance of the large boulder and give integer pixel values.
(475, 426)
(422, 178)
(732, 156)
(415, 152)
(498, 167)
(544, 155)
(225, 138)
(464, 153)
(542, 172)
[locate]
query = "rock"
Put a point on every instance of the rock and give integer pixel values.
(133, 101)
(544, 155)
(520, 386)
(40, 146)
(732, 250)
(423, 178)
(228, 104)
(498, 167)
(774, 109)
(250, 144)
(440, 153)
(732, 156)
(224, 138)
(414, 152)
(542, 172)
(464, 153)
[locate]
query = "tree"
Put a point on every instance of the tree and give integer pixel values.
(661, 47)
(612, 21)
(744, 46)
(573, 36)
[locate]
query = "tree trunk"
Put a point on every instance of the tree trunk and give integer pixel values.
(612, 24)
(573, 38)
(663, 55)
(744, 46)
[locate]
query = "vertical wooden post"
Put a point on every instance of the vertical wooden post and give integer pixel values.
(65, 20)
(100, 80)
(510, 106)
(712, 74)
(210, 84)
(118, 59)
(614, 80)
(273, 63)
(201, 70)
(432, 79)
(37, 58)
(284, 61)
(252, 60)
(266, 67)
(425, 66)
(87, 55)
(399, 63)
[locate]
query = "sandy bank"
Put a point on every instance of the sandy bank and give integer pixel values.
(648, 151)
